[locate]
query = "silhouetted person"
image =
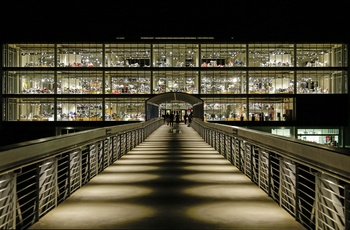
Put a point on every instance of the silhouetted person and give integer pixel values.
(190, 116)
(185, 118)
(167, 118)
(177, 118)
(172, 119)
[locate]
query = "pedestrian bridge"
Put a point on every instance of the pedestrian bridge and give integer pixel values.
(152, 176)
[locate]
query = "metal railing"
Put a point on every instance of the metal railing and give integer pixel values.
(38, 175)
(310, 181)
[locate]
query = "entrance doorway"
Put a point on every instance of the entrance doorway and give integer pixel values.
(180, 108)
(160, 104)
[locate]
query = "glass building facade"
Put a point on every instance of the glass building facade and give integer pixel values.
(238, 82)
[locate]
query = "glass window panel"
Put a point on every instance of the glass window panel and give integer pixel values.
(271, 109)
(286, 132)
(175, 81)
(224, 109)
(30, 109)
(11, 56)
(175, 55)
(271, 82)
(37, 82)
(79, 82)
(320, 55)
(31, 55)
(321, 136)
(127, 82)
(321, 82)
(223, 55)
(79, 109)
(29, 82)
(125, 109)
(271, 55)
(128, 55)
(223, 82)
(80, 55)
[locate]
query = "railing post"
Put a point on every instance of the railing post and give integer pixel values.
(347, 206)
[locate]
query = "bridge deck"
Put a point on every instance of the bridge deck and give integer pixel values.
(173, 180)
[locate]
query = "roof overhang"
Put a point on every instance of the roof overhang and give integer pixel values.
(173, 97)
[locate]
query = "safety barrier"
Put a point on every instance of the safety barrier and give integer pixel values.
(38, 175)
(310, 181)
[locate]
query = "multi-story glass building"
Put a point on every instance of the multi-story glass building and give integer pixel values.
(291, 89)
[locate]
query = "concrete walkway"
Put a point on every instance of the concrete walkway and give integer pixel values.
(173, 180)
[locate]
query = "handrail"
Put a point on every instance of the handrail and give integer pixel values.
(17, 155)
(325, 158)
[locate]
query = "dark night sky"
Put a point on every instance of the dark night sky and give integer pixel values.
(244, 20)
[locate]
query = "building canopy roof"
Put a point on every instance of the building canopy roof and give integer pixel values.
(174, 96)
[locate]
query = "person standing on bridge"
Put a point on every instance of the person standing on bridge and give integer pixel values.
(167, 118)
(172, 115)
(185, 118)
(190, 117)
(177, 118)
